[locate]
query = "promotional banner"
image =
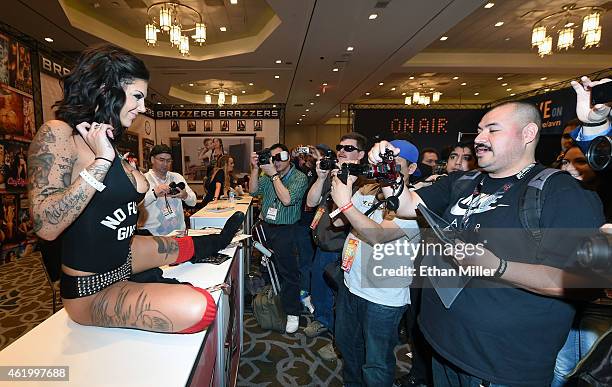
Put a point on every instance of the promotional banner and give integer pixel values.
(557, 108)
(273, 114)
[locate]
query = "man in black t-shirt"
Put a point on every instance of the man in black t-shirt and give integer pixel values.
(505, 328)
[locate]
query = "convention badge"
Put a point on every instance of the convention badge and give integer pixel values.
(168, 213)
(271, 213)
(317, 218)
(348, 255)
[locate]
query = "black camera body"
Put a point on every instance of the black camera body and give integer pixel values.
(385, 172)
(328, 161)
(264, 157)
(174, 187)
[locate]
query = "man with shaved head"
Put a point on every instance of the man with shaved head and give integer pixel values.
(507, 324)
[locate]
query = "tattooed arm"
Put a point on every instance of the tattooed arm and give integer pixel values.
(55, 200)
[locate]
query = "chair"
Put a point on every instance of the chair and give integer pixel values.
(50, 256)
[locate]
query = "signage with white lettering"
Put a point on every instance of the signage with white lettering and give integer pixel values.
(272, 114)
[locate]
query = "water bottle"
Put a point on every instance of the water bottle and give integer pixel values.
(232, 197)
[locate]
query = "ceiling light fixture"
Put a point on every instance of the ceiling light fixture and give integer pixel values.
(543, 78)
(367, 93)
(170, 21)
(476, 93)
(421, 97)
(444, 38)
(250, 83)
(278, 61)
(489, 5)
(324, 83)
(350, 48)
(455, 78)
(335, 69)
(50, 40)
(463, 84)
(565, 21)
(393, 89)
(276, 76)
(504, 84)
(307, 110)
(408, 101)
(381, 83)
(500, 78)
(223, 28)
(191, 84)
(372, 16)
(221, 93)
(499, 24)
(509, 89)
(410, 77)
(234, 2)
(317, 95)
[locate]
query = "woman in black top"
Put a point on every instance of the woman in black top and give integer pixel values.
(218, 183)
(81, 190)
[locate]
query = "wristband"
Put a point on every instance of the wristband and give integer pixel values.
(592, 124)
(103, 158)
(341, 209)
(275, 177)
(501, 269)
(92, 180)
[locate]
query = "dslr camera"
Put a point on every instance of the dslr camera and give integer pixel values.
(385, 172)
(265, 157)
(599, 154)
(174, 187)
(328, 161)
(596, 254)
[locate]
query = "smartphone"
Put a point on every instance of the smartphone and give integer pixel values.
(601, 93)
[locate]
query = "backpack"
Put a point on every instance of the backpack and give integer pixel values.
(530, 203)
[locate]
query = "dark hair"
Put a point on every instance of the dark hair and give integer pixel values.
(361, 140)
(429, 150)
(93, 90)
(279, 145)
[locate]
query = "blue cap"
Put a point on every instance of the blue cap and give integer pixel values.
(408, 151)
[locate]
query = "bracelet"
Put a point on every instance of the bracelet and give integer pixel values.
(102, 158)
(341, 209)
(92, 180)
(501, 269)
(592, 124)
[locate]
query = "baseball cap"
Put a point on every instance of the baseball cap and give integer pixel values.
(158, 149)
(408, 151)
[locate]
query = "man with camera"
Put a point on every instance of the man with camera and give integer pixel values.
(161, 211)
(377, 264)
(282, 188)
(506, 326)
(328, 238)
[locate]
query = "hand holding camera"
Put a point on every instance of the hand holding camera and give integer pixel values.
(176, 188)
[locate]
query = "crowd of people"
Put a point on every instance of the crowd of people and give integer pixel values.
(333, 226)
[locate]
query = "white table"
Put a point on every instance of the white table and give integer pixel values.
(125, 357)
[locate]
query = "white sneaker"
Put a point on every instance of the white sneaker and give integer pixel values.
(307, 302)
(293, 322)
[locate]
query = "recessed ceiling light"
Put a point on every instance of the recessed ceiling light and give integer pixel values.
(303, 115)
(463, 84)
(547, 89)
(455, 77)
(301, 119)
(335, 69)
(499, 24)
(444, 38)
(50, 40)
(512, 94)
(381, 83)
(507, 38)
(350, 48)
(324, 83)
(243, 91)
(476, 93)
(509, 89)
(191, 84)
(504, 84)
(543, 78)
(431, 89)
(277, 76)
(223, 29)
(410, 77)
(182, 106)
(233, 1)
(570, 24)
(307, 110)
(489, 5)
(159, 103)
(297, 123)
(368, 93)
(403, 93)
(273, 106)
(278, 61)
(500, 78)
(317, 95)
(250, 83)
(372, 16)
(312, 103)
(343, 111)
(393, 89)
(337, 115)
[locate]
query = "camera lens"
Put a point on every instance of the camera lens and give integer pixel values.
(596, 253)
(599, 154)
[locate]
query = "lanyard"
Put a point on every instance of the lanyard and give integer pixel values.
(475, 202)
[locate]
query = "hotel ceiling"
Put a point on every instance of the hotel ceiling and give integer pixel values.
(310, 38)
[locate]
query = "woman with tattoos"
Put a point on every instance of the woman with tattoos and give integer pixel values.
(81, 191)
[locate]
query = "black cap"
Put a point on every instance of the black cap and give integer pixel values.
(163, 148)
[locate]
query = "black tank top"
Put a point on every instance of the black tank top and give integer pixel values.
(99, 239)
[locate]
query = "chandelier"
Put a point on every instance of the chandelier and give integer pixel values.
(422, 98)
(565, 21)
(170, 22)
(221, 93)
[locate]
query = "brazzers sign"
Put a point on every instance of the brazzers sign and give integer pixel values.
(218, 113)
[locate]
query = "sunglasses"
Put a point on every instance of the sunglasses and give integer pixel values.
(347, 148)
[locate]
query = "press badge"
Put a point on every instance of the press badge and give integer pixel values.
(272, 213)
(348, 256)
(317, 218)
(168, 213)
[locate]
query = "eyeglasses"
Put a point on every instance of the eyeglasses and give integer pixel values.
(347, 148)
(163, 160)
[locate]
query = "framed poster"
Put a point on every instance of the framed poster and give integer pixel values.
(208, 125)
(258, 125)
(128, 143)
(199, 152)
(174, 126)
(225, 125)
(191, 126)
(241, 126)
(147, 145)
(13, 165)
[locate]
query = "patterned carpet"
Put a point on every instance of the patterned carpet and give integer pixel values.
(269, 358)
